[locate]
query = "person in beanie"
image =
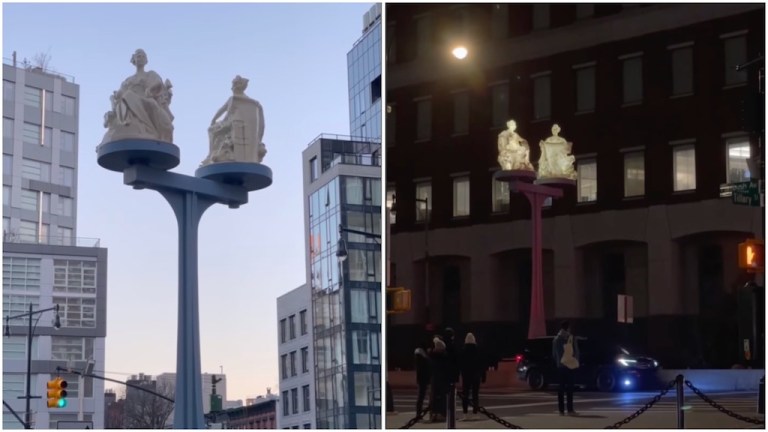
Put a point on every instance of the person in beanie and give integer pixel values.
(440, 372)
(565, 353)
(423, 375)
(472, 373)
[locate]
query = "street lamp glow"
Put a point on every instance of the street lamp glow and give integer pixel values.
(460, 52)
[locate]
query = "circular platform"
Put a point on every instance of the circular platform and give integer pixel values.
(121, 154)
(556, 181)
(515, 175)
(252, 176)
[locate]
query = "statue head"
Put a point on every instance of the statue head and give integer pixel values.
(511, 125)
(239, 84)
(139, 57)
(555, 129)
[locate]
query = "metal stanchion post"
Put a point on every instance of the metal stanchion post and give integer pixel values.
(450, 412)
(680, 402)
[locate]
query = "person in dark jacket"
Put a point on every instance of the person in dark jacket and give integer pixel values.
(453, 356)
(565, 353)
(423, 375)
(472, 373)
(440, 373)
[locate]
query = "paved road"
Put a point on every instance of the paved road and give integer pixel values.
(595, 410)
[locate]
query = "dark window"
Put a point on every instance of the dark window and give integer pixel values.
(292, 326)
(303, 321)
(376, 89)
(282, 330)
(295, 400)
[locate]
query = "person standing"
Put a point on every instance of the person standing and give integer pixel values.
(472, 373)
(440, 380)
(423, 376)
(565, 352)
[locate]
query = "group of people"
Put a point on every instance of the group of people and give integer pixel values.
(441, 366)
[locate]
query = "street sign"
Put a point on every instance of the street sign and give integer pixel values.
(746, 193)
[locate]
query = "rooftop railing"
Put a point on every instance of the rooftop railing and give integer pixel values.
(10, 237)
(29, 66)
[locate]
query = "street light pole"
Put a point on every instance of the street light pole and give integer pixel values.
(427, 292)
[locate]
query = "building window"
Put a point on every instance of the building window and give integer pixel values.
(423, 119)
(19, 304)
(684, 166)
(9, 91)
(67, 176)
(67, 105)
(313, 172)
(35, 170)
(21, 274)
(461, 113)
(500, 21)
(65, 236)
(587, 180)
(460, 196)
(67, 141)
(585, 89)
(632, 79)
(376, 89)
(282, 330)
(307, 425)
(391, 125)
(423, 35)
(735, 54)
(542, 97)
(682, 71)
(7, 128)
(423, 208)
(71, 348)
(7, 165)
(15, 348)
(286, 409)
(66, 206)
(79, 312)
(295, 400)
(31, 134)
(74, 276)
(307, 407)
(28, 231)
(48, 101)
(738, 155)
(6, 195)
(634, 174)
(390, 202)
(293, 363)
(32, 96)
(304, 360)
(284, 366)
(499, 104)
(28, 200)
(292, 326)
(584, 10)
(303, 321)
(48, 137)
(540, 16)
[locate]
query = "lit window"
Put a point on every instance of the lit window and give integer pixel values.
(500, 196)
(423, 119)
(735, 54)
(684, 166)
(499, 104)
(632, 74)
(587, 180)
(682, 71)
(460, 196)
(634, 174)
(738, 154)
(423, 201)
(541, 97)
(461, 113)
(585, 89)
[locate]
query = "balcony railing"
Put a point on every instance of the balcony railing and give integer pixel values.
(356, 159)
(9, 237)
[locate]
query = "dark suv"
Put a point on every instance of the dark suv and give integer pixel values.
(604, 366)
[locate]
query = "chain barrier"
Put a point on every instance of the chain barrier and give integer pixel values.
(721, 408)
(491, 415)
(645, 407)
(416, 419)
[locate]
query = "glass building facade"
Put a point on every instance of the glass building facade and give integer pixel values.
(346, 292)
(364, 74)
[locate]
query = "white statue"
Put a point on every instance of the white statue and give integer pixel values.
(556, 160)
(513, 150)
(140, 109)
(237, 137)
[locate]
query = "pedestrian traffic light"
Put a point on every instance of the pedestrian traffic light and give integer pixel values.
(752, 256)
(57, 395)
(398, 300)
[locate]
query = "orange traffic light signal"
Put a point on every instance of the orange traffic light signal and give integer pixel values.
(398, 300)
(752, 256)
(57, 395)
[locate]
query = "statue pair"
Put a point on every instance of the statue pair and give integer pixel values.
(141, 110)
(555, 161)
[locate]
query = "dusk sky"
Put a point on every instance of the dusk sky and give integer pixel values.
(295, 58)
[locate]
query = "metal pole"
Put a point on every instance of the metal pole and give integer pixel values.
(450, 412)
(80, 396)
(28, 413)
(427, 291)
(537, 326)
(680, 402)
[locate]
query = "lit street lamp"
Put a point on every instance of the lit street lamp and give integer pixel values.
(460, 52)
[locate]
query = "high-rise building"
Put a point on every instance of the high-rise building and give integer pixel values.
(168, 380)
(364, 76)
(650, 97)
(297, 370)
(44, 262)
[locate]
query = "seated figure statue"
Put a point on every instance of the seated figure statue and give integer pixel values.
(513, 150)
(140, 108)
(237, 137)
(556, 160)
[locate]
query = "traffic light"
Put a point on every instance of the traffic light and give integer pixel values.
(57, 395)
(398, 300)
(752, 256)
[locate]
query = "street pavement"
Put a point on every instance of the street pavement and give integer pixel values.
(595, 410)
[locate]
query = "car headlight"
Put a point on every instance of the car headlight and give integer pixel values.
(655, 363)
(626, 362)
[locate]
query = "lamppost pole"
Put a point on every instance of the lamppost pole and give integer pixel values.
(427, 292)
(30, 334)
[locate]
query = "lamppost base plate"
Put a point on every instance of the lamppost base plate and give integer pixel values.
(251, 176)
(515, 175)
(556, 181)
(121, 154)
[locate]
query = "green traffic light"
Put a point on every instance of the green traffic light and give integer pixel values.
(62, 403)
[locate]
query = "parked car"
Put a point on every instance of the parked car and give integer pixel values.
(603, 366)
